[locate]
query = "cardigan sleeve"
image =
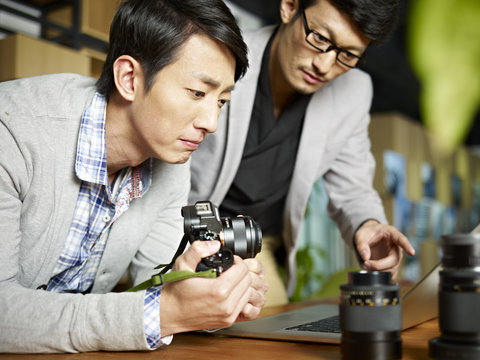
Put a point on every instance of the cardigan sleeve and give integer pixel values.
(349, 180)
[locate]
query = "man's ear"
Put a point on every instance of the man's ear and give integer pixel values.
(127, 74)
(288, 9)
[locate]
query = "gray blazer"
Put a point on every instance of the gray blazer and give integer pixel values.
(39, 125)
(334, 145)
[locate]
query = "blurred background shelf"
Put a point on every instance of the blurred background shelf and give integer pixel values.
(48, 36)
(22, 56)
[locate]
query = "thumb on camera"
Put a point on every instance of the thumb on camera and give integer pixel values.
(206, 248)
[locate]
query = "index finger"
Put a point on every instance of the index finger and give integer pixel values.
(388, 232)
(255, 266)
(235, 274)
(402, 241)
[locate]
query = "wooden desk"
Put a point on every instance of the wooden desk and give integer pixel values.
(202, 347)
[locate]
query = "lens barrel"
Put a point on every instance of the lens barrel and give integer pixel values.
(459, 299)
(370, 317)
(242, 235)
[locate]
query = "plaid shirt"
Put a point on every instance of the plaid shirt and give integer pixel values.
(98, 206)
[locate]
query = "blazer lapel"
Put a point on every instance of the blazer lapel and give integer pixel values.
(310, 151)
(239, 113)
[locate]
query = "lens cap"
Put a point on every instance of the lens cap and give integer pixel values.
(369, 278)
(461, 250)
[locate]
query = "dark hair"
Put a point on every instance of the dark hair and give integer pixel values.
(153, 31)
(375, 18)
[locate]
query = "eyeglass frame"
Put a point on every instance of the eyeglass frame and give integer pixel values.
(332, 46)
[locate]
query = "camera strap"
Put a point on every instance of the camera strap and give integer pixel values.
(180, 250)
(163, 277)
(160, 279)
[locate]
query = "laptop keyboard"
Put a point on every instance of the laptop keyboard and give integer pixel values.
(331, 325)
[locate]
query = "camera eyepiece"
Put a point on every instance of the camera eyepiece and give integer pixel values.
(370, 317)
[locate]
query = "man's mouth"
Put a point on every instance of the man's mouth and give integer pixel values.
(312, 79)
(192, 144)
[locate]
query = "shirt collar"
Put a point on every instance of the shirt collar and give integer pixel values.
(91, 157)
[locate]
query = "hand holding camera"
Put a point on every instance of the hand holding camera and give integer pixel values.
(198, 303)
(237, 295)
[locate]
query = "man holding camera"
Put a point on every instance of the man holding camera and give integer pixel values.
(92, 181)
(301, 114)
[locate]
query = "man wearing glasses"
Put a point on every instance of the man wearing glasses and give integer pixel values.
(301, 114)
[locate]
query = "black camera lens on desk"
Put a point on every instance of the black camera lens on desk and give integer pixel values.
(459, 299)
(370, 317)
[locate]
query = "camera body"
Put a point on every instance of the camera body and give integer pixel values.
(238, 236)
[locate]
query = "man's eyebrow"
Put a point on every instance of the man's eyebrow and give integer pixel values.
(332, 37)
(230, 88)
(210, 81)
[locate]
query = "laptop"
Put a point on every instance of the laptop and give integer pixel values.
(320, 323)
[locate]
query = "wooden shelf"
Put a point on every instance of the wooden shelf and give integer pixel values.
(23, 56)
(74, 23)
(74, 38)
(97, 17)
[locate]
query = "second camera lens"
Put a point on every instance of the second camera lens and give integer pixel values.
(370, 317)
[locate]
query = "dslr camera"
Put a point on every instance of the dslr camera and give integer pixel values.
(238, 236)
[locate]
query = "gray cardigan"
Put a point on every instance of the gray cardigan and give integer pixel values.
(334, 145)
(39, 124)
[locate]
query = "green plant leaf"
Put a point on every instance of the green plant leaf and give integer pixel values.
(444, 49)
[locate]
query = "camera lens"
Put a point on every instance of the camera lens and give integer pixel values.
(242, 235)
(459, 299)
(370, 317)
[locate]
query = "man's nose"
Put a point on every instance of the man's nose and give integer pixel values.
(207, 119)
(323, 62)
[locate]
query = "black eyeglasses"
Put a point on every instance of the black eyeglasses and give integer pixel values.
(324, 45)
